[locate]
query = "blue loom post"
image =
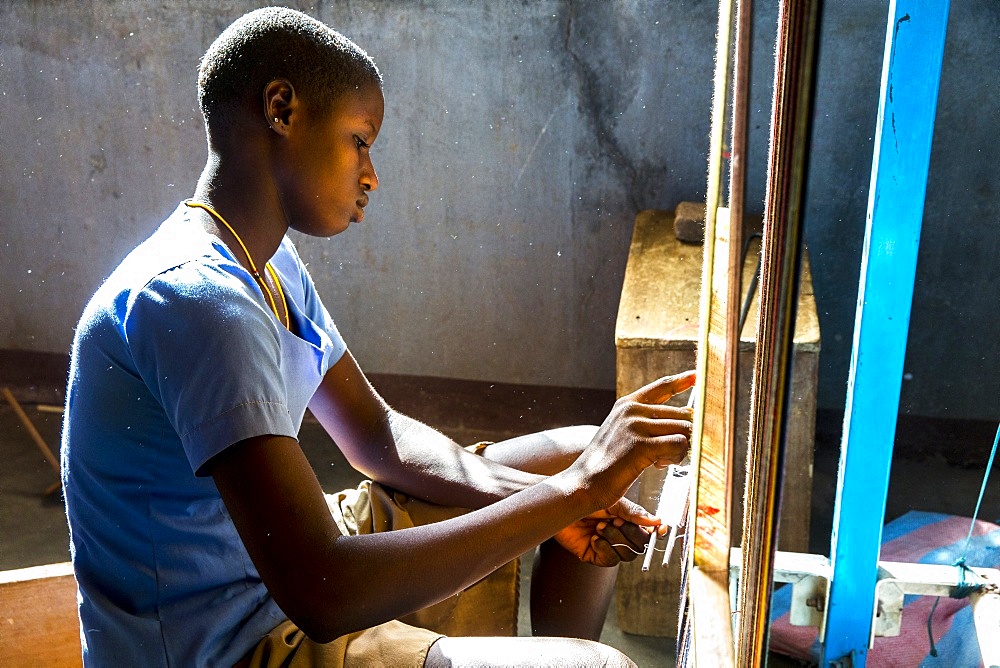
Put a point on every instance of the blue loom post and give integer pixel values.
(911, 71)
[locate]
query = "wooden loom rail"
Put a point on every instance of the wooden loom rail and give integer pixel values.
(707, 636)
(782, 253)
(706, 630)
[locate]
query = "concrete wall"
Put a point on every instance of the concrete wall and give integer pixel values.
(953, 363)
(519, 141)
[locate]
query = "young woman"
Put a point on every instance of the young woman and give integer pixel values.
(199, 533)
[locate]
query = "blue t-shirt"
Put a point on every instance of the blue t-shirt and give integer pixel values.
(177, 357)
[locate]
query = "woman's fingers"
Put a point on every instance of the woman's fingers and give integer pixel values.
(663, 389)
(627, 539)
(616, 540)
(667, 412)
(635, 536)
(653, 427)
(605, 553)
(626, 510)
(639, 432)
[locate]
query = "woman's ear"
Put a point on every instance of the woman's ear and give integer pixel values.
(280, 103)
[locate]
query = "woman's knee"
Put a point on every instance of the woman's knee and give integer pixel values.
(577, 436)
(544, 453)
(523, 652)
(592, 653)
(611, 657)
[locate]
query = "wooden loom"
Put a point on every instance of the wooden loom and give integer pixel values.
(719, 628)
(706, 636)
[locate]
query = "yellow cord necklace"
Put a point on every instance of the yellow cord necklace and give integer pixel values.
(253, 267)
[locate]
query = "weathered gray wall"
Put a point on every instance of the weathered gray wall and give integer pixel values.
(520, 139)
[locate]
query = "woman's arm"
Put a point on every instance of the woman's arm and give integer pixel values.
(330, 584)
(403, 453)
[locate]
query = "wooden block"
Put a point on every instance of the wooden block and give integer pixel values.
(39, 625)
(655, 335)
(689, 222)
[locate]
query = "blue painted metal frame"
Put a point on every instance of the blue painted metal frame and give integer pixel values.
(911, 72)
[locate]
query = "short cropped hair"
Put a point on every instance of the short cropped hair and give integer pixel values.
(279, 43)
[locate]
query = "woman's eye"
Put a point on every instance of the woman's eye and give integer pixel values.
(361, 142)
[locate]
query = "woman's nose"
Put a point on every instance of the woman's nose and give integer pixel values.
(369, 179)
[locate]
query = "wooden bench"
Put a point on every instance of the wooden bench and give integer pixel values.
(39, 625)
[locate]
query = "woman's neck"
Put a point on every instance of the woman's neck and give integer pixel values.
(247, 202)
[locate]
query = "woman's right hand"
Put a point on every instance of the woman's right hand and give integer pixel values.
(640, 431)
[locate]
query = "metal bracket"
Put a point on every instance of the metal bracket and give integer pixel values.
(896, 580)
(810, 576)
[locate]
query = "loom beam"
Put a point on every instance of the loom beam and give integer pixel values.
(911, 71)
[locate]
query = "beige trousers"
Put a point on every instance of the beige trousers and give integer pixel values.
(488, 608)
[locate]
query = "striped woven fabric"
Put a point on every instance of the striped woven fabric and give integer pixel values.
(917, 537)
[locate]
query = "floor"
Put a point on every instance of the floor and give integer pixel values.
(33, 527)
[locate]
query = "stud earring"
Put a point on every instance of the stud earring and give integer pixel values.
(276, 121)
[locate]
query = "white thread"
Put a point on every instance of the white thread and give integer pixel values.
(643, 551)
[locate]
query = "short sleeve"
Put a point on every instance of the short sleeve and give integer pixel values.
(211, 355)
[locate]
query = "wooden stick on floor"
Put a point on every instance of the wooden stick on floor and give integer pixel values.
(35, 436)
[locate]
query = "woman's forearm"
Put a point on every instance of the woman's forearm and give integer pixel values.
(428, 465)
